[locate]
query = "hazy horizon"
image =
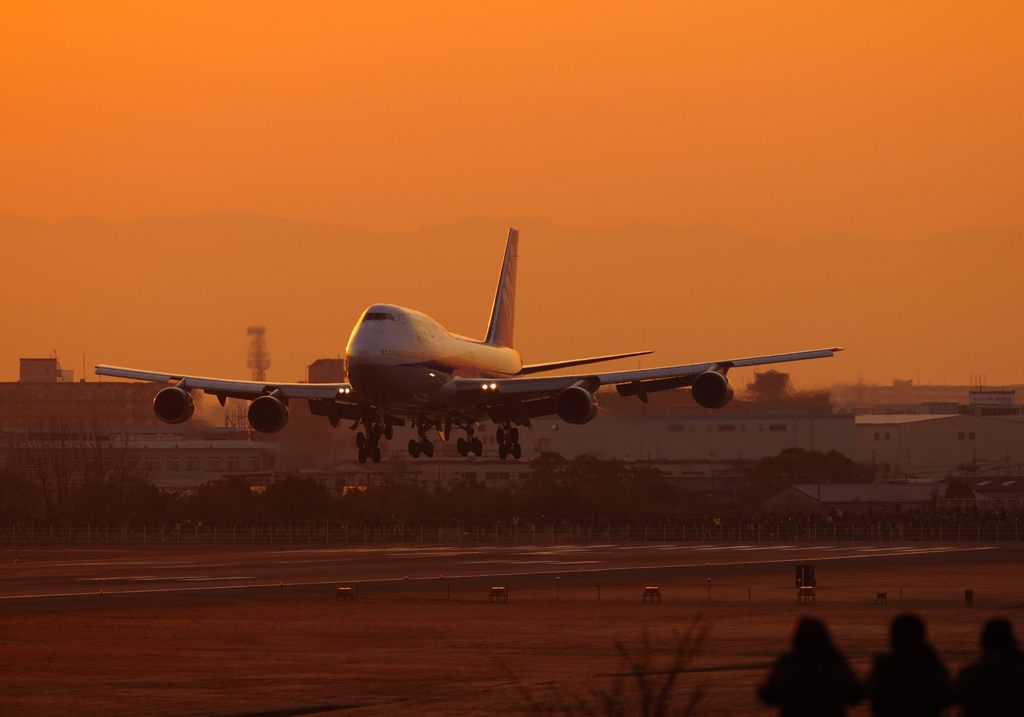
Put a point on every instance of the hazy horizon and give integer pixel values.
(706, 181)
(185, 288)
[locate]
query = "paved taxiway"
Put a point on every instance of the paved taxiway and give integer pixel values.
(68, 574)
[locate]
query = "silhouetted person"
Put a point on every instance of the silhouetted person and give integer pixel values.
(994, 686)
(909, 681)
(814, 679)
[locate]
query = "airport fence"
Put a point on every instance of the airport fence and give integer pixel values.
(478, 533)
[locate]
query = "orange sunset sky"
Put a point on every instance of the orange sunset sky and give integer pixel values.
(857, 168)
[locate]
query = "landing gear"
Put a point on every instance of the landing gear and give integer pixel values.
(422, 445)
(369, 443)
(470, 444)
(508, 443)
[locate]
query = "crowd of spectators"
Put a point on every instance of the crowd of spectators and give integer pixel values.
(910, 680)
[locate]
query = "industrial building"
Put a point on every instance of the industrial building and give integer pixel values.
(855, 497)
(707, 436)
(932, 447)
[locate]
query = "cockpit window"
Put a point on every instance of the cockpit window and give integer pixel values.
(378, 316)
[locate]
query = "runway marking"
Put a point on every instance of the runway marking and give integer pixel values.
(768, 547)
(632, 568)
(532, 562)
(180, 579)
(724, 547)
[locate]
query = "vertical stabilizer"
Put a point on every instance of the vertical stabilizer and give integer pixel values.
(503, 313)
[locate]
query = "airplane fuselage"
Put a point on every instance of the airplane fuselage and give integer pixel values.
(401, 357)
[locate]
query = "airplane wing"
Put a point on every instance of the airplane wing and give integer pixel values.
(229, 388)
(533, 395)
(541, 367)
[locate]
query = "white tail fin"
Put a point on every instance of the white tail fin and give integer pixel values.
(503, 313)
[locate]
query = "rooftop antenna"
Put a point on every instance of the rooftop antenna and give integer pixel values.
(259, 356)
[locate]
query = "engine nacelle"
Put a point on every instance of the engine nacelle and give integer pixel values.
(576, 405)
(173, 405)
(711, 390)
(268, 414)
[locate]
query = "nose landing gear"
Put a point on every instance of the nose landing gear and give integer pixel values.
(369, 443)
(421, 445)
(508, 442)
(473, 445)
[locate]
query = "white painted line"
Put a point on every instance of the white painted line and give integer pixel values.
(178, 578)
(532, 562)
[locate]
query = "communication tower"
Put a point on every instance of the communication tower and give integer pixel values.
(259, 356)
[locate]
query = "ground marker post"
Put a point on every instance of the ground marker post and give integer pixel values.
(558, 582)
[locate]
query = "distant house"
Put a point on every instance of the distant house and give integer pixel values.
(855, 497)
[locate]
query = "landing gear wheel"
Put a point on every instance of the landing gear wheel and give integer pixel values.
(362, 454)
(414, 448)
(500, 436)
(477, 447)
(517, 451)
(374, 434)
(389, 431)
(513, 436)
(375, 454)
(428, 448)
(502, 451)
(462, 446)
(360, 440)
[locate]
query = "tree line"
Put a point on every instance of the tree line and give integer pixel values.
(64, 477)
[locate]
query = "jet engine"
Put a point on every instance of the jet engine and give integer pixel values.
(711, 390)
(173, 405)
(268, 414)
(576, 405)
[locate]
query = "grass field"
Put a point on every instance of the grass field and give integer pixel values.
(415, 651)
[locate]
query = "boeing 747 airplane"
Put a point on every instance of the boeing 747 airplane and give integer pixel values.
(405, 368)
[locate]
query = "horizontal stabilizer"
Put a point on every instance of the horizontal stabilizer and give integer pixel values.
(538, 367)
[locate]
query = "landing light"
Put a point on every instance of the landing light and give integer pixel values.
(494, 386)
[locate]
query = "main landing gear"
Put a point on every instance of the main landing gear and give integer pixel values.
(369, 443)
(508, 442)
(507, 435)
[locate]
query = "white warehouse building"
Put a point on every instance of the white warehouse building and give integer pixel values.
(934, 446)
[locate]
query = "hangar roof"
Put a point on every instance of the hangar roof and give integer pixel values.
(870, 492)
(884, 419)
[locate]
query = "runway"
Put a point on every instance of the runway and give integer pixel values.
(34, 575)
